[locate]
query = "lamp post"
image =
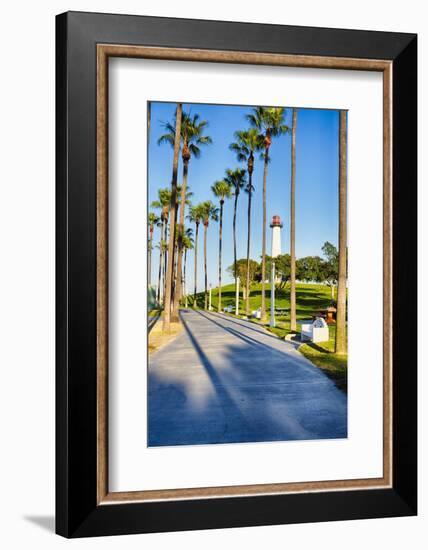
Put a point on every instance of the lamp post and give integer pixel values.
(237, 297)
(276, 226)
(209, 299)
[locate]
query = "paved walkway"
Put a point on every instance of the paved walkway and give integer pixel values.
(225, 380)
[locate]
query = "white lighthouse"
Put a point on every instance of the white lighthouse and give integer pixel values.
(276, 226)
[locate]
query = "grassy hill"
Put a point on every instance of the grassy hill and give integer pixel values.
(310, 298)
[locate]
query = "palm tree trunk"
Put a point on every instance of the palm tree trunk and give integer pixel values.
(149, 261)
(196, 263)
(173, 212)
(160, 263)
(165, 259)
(165, 263)
(184, 275)
(220, 239)
(205, 266)
(293, 226)
(234, 252)
(340, 346)
(263, 304)
(178, 292)
(247, 282)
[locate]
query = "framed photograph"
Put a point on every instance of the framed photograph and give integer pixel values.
(236, 243)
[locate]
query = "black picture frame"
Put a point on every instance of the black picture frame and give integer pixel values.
(77, 512)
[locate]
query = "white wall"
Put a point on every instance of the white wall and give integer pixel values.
(27, 272)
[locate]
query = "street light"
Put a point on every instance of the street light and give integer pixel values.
(276, 226)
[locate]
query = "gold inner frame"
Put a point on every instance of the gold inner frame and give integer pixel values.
(104, 51)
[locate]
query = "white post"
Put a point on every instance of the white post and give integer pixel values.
(272, 295)
(209, 300)
(185, 297)
(237, 297)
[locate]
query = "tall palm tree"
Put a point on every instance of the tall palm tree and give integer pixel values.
(222, 190)
(246, 144)
(187, 203)
(163, 203)
(192, 138)
(153, 220)
(293, 325)
(162, 246)
(269, 121)
(340, 344)
(187, 245)
(173, 209)
(195, 216)
(209, 212)
(236, 179)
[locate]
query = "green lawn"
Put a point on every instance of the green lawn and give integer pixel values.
(322, 355)
(310, 298)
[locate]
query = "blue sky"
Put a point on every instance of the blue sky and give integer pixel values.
(316, 183)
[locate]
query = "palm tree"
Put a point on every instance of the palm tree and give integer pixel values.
(163, 248)
(236, 180)
(209, 212)
(247, 143)
(163, 203)
(173, 209)
(187, 202)
(152, 221)
(269, 121)
(222, 190)
(192, 137)
(293, 225)
(340, 344)
(195, 216)
(187, 245)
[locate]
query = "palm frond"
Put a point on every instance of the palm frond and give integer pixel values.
(194, 150)
(254, 121)
(166, 138)
(204, 140)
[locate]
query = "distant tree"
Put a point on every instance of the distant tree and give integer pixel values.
(330, 267)
(331, 254)
(241, 270)
(282, 267)
(310, 268)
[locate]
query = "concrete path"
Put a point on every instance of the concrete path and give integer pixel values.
(225, 380)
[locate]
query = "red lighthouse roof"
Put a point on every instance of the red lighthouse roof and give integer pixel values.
(276, 221)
